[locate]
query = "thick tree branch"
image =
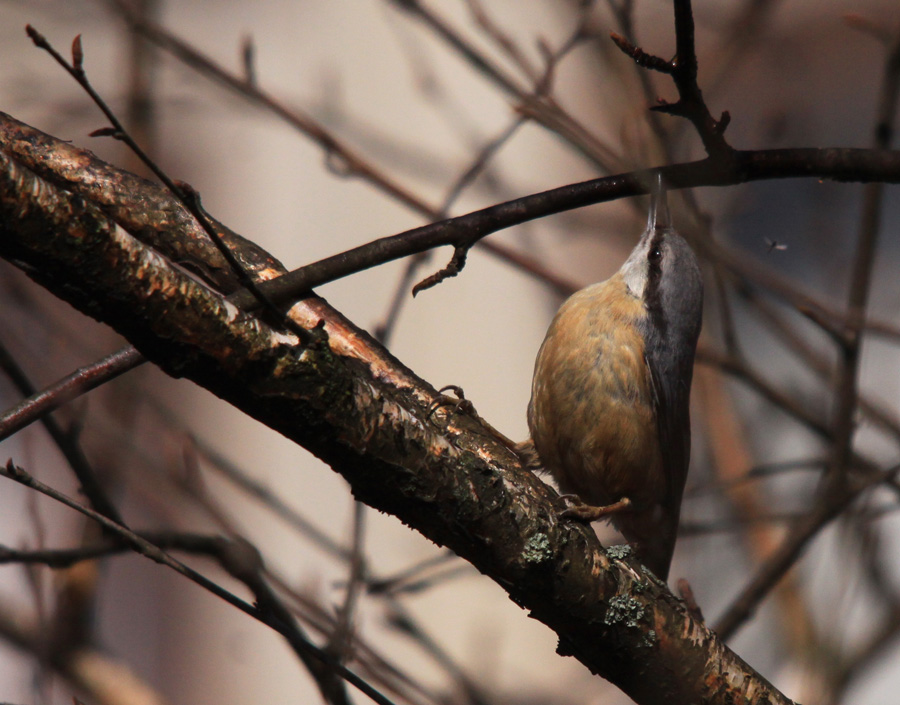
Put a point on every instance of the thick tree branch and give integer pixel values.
(448, 475)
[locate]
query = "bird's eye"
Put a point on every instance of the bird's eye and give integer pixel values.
(654, 255)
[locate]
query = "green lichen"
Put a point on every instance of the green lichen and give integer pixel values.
(649, 639)
(537, 549)
(623, 610)
(619, 552)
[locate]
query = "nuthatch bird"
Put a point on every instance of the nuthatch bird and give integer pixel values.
(609, 413)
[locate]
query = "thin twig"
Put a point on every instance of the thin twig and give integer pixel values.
(401, 620)
(267, 497)
(376, 667)
(237, 563)
(802, 532)
(502, 39)
(309, 611)
(66, 442)
(340, 644)
(837, 488)
(189, 198)
(70, 387)
(818, 361)
(545, 111)
(846, 389)
(354, 163)
(59, 558)
(683, 70)
(385, 330)
(732, 455)
(410, 579)
(740, 370)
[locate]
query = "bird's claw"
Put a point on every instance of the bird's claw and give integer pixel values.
(460, 404)
(580, 511)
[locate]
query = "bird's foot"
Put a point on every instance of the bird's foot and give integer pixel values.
(459, 404)
(579, 511)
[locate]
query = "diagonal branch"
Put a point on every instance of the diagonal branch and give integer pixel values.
(450, 478)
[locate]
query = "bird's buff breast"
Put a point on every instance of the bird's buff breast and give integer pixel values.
(592, 417)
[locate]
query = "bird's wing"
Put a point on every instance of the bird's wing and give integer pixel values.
(671, 401)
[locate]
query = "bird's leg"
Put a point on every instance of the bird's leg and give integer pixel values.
(579, 511)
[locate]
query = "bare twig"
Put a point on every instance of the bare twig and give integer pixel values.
(268, 498)
(66, 442)
(839, 488)
(353, 163)
(371, 663)
(401, 620)
(341, 641)
(189, 198)
(846, 389)
(320, 617)
(776, 396)
(68, 388)
(384, 330)
(683, 70)
(784, 557)
(818, 361)
(241, 561)
(411, 579)
(502, 39)
(543, 110)
(731, 452)
(454, 267)
(114, 544)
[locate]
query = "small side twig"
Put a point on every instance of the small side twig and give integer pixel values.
(542, 86)
(846, 393)
(454, 267)
(642, 58)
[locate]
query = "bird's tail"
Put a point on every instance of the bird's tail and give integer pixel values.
(652, 535)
